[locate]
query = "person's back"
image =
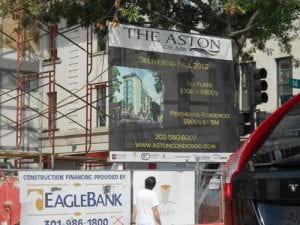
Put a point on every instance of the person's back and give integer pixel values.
(145, 203)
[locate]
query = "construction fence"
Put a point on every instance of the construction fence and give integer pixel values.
(192, 196)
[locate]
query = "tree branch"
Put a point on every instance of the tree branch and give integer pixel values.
(176, 22)
(207, 10)
(252, 23)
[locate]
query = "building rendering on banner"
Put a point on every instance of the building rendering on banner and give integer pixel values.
(137, 102)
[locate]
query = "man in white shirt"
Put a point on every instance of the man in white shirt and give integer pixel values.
(145, 205)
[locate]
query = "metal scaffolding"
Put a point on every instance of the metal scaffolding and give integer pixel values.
(47, 159)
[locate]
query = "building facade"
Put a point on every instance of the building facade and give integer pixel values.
(282, 75)
(78, 91)
(19, 92)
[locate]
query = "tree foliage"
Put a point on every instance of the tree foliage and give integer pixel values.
(256, 21)
(240, 20)
(12, 9)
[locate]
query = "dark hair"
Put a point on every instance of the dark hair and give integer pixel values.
(150, 183)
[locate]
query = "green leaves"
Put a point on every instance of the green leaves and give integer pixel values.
(241, 20)
(130, 13)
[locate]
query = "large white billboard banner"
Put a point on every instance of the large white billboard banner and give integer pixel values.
(75, 197)
(164, 41)
(176, 193)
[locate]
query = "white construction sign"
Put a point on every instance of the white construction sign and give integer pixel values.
(176, 193)
(75, 197)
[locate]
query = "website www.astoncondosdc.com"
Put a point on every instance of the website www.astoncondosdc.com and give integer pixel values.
(162, 145)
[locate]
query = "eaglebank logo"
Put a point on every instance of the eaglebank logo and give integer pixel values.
(45, 200)
(37, 196)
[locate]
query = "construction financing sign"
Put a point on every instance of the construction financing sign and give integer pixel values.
(172, 96)
(75, 197)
